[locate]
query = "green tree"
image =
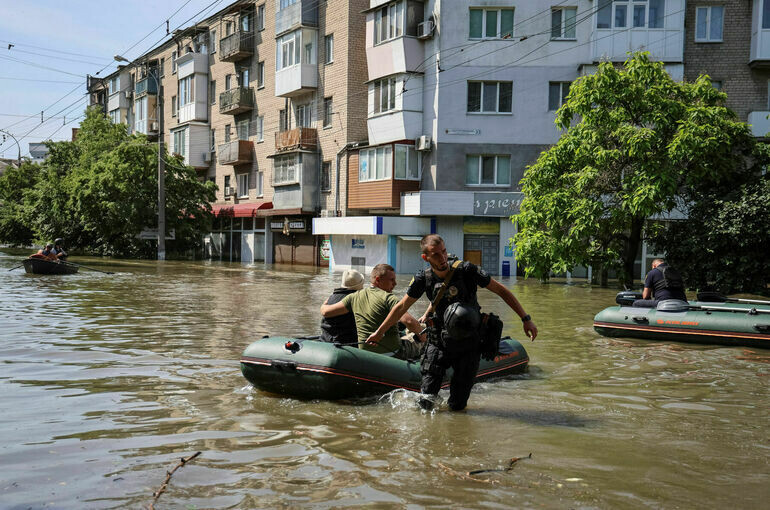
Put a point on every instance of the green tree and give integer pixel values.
(635, 143)
(14, 184)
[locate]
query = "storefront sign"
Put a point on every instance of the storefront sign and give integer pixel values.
(288, 225)
(497, 204)
(326, 249)
(358, 244)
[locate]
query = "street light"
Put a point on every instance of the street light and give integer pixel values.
(161, 173)
(15, 140)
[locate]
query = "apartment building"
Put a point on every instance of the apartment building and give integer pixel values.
(264, 98)
(461, 98)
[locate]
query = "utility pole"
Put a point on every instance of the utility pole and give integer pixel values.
(15, 140)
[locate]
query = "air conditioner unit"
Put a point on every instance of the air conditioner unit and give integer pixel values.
(129, 93)
(423, 143)
(425, 29)
(207, 157)
(153, 126)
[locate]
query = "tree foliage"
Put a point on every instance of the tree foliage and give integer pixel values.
(100, 191)
(635, 144)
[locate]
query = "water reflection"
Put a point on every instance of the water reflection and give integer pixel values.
(107, 380)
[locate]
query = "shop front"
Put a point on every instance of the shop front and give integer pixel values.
(293, 241)
(238, 234)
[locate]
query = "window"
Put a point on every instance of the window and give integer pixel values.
(384, 95)
(490, 96)
(326, 176)
(286, 3)
(407, 163)
(212, 140)
(287, 51)
(283, 121)
(375, 164)
(162, 67)
(389, 22)
(243, 186)
(201, 43)
(186, 91)
(213, 39)
(227, 133)
(329, 49)
(228, 28)
(644, 14)
(140, 109)
(246, 25)
(488, 170)
(328, 112)
(557, 94)
(708, 23)
(491, 24)
(243, 77)
(174, 106)
(227, 182)
(242, 129)
(260, 183)
(115, 116)
(261, 17)
(113, 85)
(261, 128)
(717, 84)
(261, 74)
(173, 62)
(563, 22)
(303, 115)
(180, 147)
(228, 81)
(286, 169)
(213, 91)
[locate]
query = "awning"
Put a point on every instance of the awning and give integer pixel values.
(248, 210)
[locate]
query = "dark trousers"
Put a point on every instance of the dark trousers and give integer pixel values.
(464, 366)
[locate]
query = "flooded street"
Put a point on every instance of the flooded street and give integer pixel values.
(107, 380)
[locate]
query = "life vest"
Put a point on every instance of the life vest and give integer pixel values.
(672, 280)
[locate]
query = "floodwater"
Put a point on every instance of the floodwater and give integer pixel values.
(108, 380)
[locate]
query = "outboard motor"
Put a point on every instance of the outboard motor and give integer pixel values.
(627, 297)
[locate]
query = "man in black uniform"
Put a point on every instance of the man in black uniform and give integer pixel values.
(662, 282)
(450, 347)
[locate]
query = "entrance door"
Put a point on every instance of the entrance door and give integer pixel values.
(483, 250)
(247, 248)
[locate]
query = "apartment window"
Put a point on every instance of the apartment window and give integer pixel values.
(261, 74)
(283, 121)
(708, 23)
(765, 13)
(213, 41)
(488, 170)
(162, 67)
(407, 163)
(140, 109)
(242, 129)
(717, 84)
(384, 95)
(113, 85)
(227, 133)
(490, 96)
(243, 186)
(326, 176)
(201, 43)
(261, 128)
(491, 24)
(328, 112)
(174, 106)
(186, 91)
(213, 91)
(246, 25)
(643, 13)
(227, 183)
(180, 147)
(288, 50)
(329, 48)
(212, 140)
(115, 116)
(389, 22)
(243, 77)
(375, 164)
(563, 22)
(303, 115)
(286, 3)
(228, 81)
(286, 169)
(557, 94)
(228, 28)
(173, 62)
(260, 184)
(261, 17)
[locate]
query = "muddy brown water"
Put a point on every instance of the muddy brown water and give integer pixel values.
(107, 380)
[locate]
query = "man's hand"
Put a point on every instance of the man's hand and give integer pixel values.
(530, 329)
(374, 338)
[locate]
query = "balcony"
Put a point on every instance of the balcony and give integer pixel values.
(760, 124)
(400, 55)
(301, 138)
(295, 182)
(296, 80)
(148, 85)
(236, 152)
(237, 100)
(236, 46)
(301, 13)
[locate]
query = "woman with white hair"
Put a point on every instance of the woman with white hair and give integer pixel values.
(342, 328)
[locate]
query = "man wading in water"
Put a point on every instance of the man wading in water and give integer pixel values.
(454, 341)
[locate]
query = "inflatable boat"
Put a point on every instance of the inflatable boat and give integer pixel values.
(308, 368)
(708, 320)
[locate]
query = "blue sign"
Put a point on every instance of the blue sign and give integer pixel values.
(358, 244)
(508, 251)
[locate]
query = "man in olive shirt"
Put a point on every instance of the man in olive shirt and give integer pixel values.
(370, 306)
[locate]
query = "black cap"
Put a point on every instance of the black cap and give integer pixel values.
(59, 241)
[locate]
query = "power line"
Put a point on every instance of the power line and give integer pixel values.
(14, 44)
(33, 80)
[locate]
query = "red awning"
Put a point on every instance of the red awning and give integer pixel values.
(248, 210)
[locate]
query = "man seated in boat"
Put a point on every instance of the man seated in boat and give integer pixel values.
(58, 249)
(342, 328)
(371, 306)
(46, 253)
(662, 282)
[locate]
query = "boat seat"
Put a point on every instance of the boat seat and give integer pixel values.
(672, 305)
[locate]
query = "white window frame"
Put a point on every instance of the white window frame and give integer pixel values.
(328, 48)
(564, 25)
(261, 128)
(498, 22)
(328, 177)
(288, 50)
(213, 40)
(186, 91)
(375, 164)
(174, 106)
(260, 17)
(610, 7)
(213, 91)
(411, 156)
(243, 185)
(115, 116)
(699, 9)
(173, 62)
(260, 184)
(180, 142)
(286, 169)
(303, 116)
(113, 86)
(261, 75)
(562, 93)
(482, 104)
(388, 86)
(328, 112)
(140, 109)
(212, 140)
(242, 129)
(391, 18)
(480, 158)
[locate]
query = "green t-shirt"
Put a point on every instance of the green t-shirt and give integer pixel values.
(371, 306)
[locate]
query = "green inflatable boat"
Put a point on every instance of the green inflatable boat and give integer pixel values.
(709, 320)
(308, 368)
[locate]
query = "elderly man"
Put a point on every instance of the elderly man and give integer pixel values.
(370, 306)
(342, 328)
